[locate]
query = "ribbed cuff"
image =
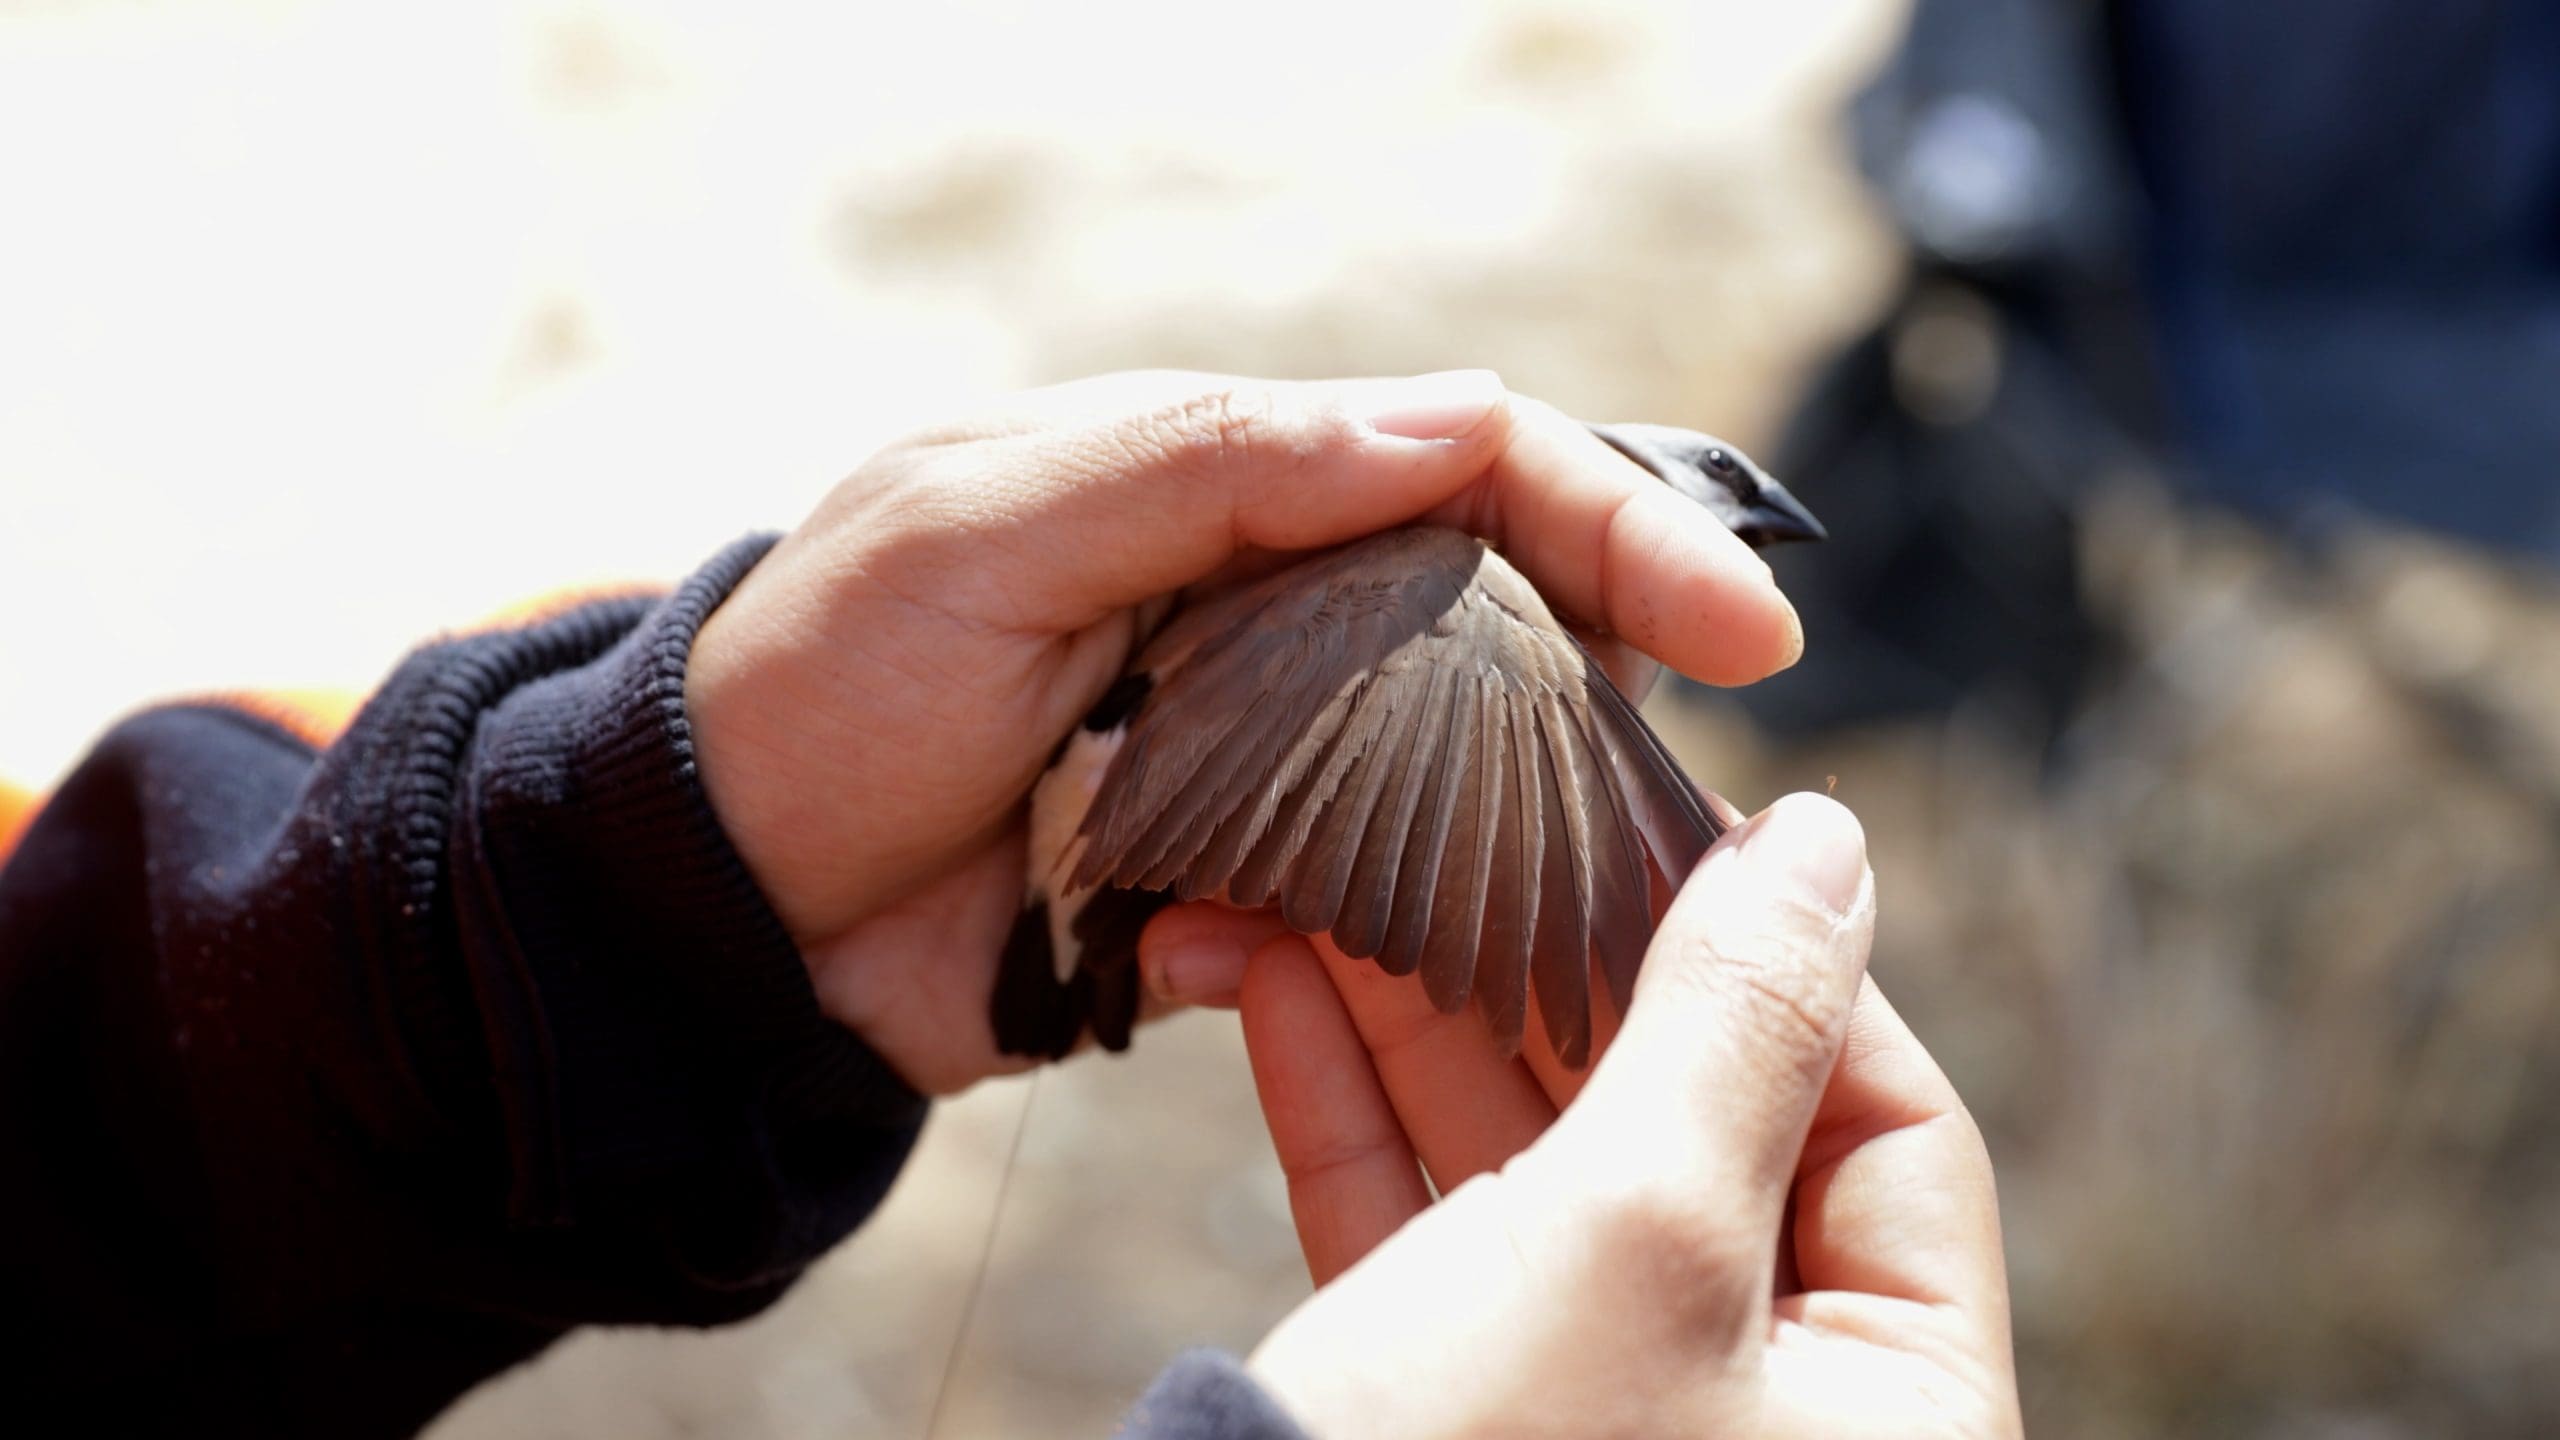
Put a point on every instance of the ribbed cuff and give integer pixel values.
(662, 1054)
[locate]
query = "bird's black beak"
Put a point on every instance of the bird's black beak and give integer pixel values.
(1775, 515)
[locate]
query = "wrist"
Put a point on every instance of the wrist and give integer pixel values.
(748, 754)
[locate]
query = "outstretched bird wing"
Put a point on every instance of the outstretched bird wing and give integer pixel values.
(1399, 745)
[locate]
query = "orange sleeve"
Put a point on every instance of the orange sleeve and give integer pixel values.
(17, 807)
(319, 717)
(561, 602)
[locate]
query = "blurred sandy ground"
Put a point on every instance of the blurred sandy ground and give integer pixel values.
(325, 326)
(322, 326)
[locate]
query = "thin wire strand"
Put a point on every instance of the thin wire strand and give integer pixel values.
(986, 1256)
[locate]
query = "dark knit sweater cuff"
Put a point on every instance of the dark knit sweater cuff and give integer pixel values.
(679, 1073)
(1206, 1395)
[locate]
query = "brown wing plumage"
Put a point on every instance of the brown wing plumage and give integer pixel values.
(1404, 749)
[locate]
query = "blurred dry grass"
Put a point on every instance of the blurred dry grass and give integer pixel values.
(2254, 994)
(2256, 999)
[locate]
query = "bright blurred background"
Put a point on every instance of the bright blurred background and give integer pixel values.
(2181, 381)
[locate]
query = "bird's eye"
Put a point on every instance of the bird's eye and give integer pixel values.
(1720, 460)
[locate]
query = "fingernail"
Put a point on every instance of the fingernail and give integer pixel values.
(1795, 631)
(1439, 406)
(1201, 969)
(1815, 844)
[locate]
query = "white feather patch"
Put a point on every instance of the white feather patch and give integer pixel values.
(1058, 804)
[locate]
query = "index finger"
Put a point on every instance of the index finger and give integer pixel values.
(1133, 486)
(1613, 545)
(1353, 1175)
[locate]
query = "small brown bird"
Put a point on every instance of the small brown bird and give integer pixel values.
(1397, 744)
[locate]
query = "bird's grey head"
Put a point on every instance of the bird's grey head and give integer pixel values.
(1719, 476)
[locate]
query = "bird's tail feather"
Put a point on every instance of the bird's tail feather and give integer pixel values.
(1035, 1013)
(1032, 1013)
(1106, 932)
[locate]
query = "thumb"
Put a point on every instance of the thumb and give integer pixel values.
(1139, 485)
(1738, 1019)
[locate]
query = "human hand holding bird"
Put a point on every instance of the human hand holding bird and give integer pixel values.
(1765, 1214)
(1394, 743)
(874, 701)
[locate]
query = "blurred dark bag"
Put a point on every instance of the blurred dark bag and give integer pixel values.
(1948, 447)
